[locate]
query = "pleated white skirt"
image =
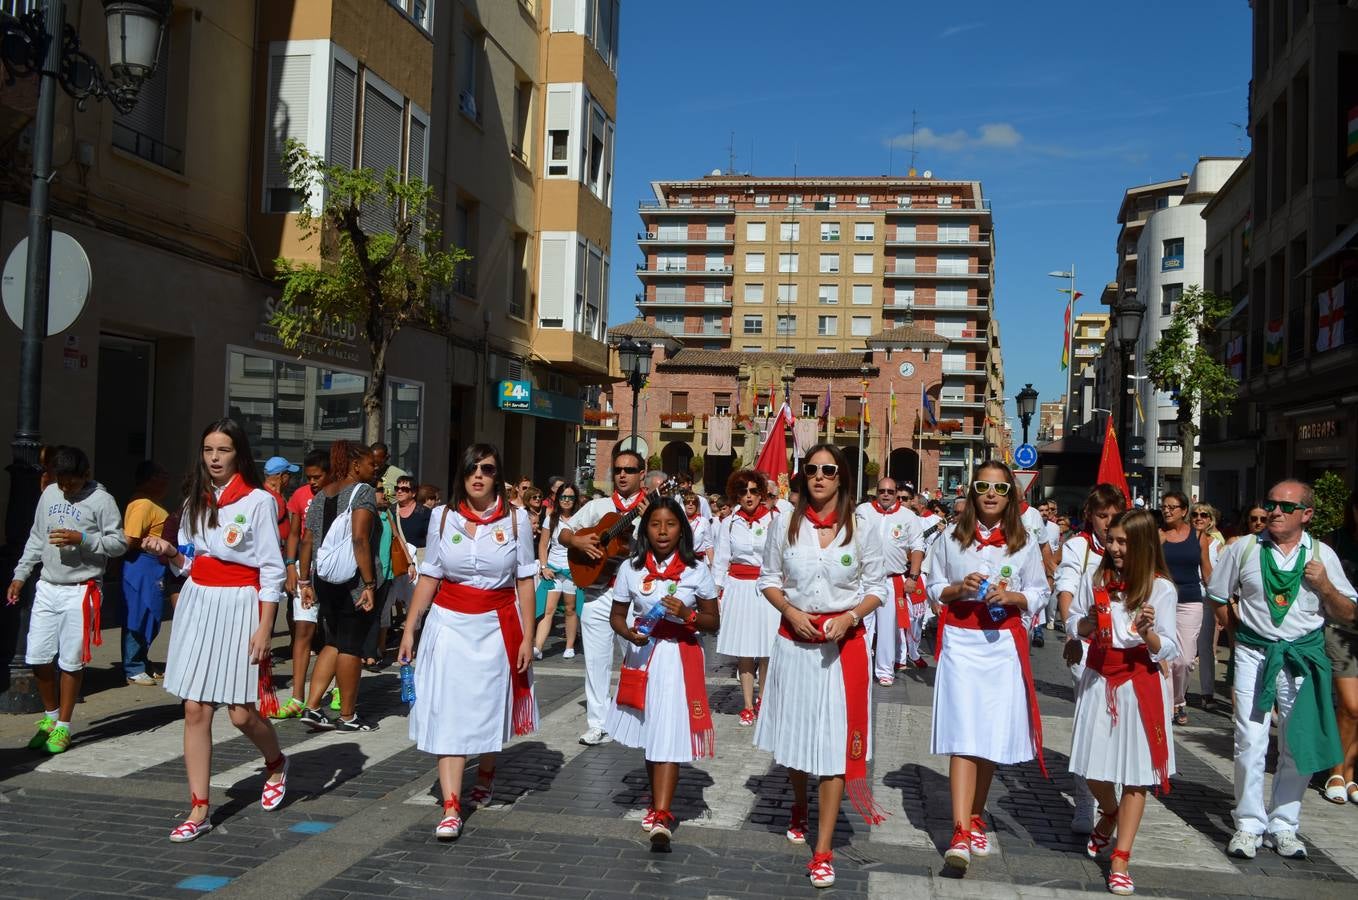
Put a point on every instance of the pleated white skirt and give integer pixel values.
(209, 655)
(662, 729)
(803, 721)
(749, 623)
(980, 701)
(463, 695)
(1103, 751)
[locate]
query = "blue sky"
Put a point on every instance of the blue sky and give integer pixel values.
(1057, 107)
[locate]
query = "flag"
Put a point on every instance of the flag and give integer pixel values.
(772, 460)
(893, 404)
(1110, 464)
(825, 407)
(927, 406)
(1235, 357)
(1330, 325)
(1140, 413)
(867, 416)
(1065, 342)
(1273, 343)
(1076, 295)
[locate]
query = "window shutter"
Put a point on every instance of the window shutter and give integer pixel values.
(416, 168)
(552, 282)
(381, 151)
(564, 15)
(343, 106)
(147, 118)
(289, 97)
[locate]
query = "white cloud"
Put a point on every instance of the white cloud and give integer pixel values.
(954, 30)
(989, 136)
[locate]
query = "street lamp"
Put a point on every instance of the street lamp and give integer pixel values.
(1027, 407)
(634, 359)
(1129, 312)
(1069, 347)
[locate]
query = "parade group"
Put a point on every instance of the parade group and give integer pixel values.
(814, 596)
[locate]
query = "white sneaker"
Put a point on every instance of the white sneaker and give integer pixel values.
(594, 737)
(1243, 844)
(141, 679)
(569, 653)
(537, 654)
(1287, 844)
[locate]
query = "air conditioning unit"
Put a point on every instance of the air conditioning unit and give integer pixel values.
(466, 104)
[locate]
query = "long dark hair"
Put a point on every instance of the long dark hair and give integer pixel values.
(556, 504)
(641, 544)
(1144, 560)
(1015, 535)
(343, 455)
(202, 509)
(844, 501)
(470, 457)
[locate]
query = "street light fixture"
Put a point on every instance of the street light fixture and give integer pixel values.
(1027, 407)
(1128, 313)
(634, 359)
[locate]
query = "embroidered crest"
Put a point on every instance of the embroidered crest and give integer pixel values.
(758, 532)
(856, 745)
(896, 532)
(695, 709)
(1006, 571)
(846, 560)
(235, 533)
(499, 535)
(647, 585)
(673, 588)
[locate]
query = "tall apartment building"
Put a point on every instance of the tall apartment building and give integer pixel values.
(818, 265)
(1089, 331)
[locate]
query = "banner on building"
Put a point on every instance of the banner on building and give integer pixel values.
(1273, 343)
(1235, 358)
(1330, 323)
(719, 435)
(805, 433)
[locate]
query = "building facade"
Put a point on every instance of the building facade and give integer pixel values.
(1089, 331)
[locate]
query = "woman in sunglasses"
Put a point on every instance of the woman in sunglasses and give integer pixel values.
(749, 624)
(556, 573)
(474, 680)
(1253, 522)
(986, 572)
(1204, 518)
(822, 576)
(1188, 553)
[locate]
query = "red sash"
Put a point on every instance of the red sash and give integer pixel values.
(853, 662)
(1120, 665)
(209, 571)
(902, 600)
(89, 616)
(702, 731)
(504, 603)
(743, 572)
(974, 615)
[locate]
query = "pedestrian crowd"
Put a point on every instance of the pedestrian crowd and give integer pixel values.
(812, 594)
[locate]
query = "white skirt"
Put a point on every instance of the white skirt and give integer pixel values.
(1103, 751)
(464, 701)
(662, 729)
(209, 656)
(980, 701)
(803, 720)
(749, 623)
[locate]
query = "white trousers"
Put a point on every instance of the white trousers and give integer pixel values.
(1251, 747)
(883, 629)
(910, 638)
(599, 643)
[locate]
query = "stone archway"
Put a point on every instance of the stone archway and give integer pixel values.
(675, 457)
(903, 466)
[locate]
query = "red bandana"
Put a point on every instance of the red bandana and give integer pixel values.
(829, 521)
(236, 489)
(886, 512)
(762, 512)
(671, 572)
(1094, 546)
(476, 518)
(623, 505)
(995, 539)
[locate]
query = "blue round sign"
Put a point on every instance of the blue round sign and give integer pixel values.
(1025, 455)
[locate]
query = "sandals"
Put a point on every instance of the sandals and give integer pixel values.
(1352, 789)
(483, 789)
(1098, 840)
(1120, 883)
(190, 830)
(1180, 715)
(980, 844)
(450, 826)
(272, 796)
(1336, 791)
(821, 869)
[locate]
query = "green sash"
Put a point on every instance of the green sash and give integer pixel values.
(1312, 732)
(1279, 586)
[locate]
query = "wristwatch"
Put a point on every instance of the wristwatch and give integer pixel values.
(853, 614)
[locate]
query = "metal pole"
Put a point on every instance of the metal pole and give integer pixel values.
(1070, 356)
(632, 380)
(862, 457)
(1126, 405)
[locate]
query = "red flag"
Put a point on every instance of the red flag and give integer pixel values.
(1110, 464)
(772, 459)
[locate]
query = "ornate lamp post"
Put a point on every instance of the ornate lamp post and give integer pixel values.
(1027, 407)
(634, 359)
(1128, 314)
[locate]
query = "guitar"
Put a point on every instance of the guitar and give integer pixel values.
(615, 540)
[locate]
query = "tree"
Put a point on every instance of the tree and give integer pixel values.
(379, 263)
(1331, 493)
(1181, 363)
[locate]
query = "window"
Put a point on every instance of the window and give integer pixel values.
(518, 276)
(756, 231)
(953, 232)
(716, 231)
(861, 326)
(794, 201)
(789, 231)
(714, 262)
(950, 328)
(464, 236)
(829, 262)
(862, 294)
(904, 201)
(905, 262)
(560, 115)
(829, 231)
(1172, 257)
(945, 202)
(754, 292)
(722, 200)
(761, 199)
(827, 326)
(809, 406)
(469, 51)
(829, 201)
(752, 325)
(669, 293)
(955, 361)
(380, 144)
(751, 348)
(289, 101)
(419, 11)
(862, 263)
(714, 293)
(1169, 298)
(825, 349)
(954, 264)
(721, 404)
(673, 231)
(671, 262)
(754, 262)
(781, 348)
(146, 131)
(828, 294)
(953, 295)
(678, 401)
(787, 293)
(905, 296)
(787, 324)
(905, 233)
(863, 200)
(863, 231)
(787, 262)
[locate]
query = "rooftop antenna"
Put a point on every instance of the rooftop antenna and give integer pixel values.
(731, 155)
(1240, 138)
(914, 127)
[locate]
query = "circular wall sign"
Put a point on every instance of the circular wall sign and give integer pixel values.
(68, 285)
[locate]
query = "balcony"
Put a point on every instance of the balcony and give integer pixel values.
(652, 238)
(661, 207)
(969, 336)
(601, 420)
(960, 403)
(694, 329)
(676, 421)
(644, 302)
(930, 205)
(979, 310)
(981, 242)
(917, 270)
(571, 351)
(961, 372)
(670, 270)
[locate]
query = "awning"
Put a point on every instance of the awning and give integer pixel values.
(1340, 243)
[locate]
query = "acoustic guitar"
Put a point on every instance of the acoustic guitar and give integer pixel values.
(615, 539)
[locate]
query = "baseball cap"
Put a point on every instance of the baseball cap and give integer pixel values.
(277, 465)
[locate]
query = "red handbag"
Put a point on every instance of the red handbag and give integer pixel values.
(632, 686)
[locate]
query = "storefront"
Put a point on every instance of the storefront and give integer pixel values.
(1323, 443)
(541, 429)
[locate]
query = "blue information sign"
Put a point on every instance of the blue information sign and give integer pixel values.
(1025, 456)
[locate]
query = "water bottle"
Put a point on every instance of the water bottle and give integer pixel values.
(187, 551)
(646, 624)
(407, 683)
(997, 613)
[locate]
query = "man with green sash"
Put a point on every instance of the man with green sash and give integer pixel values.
(1286, 583)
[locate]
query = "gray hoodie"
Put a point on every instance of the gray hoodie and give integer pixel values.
(95, 514)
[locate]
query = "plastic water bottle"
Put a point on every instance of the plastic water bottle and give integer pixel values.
(997, 613)
(646, 624)
(407, 683)
(186, 550)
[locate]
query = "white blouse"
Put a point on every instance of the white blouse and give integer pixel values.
(694, 584)
(1079, 560)
(951, 563)
(1163, 599)
(702, 535)
(739, 541)
(490, 560)
(819, 579)
(556, 552)
(246, 534)
(901, 534)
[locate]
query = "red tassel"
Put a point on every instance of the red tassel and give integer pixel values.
(860, 795)
(524, 721)
(89, 608)
(268, 698)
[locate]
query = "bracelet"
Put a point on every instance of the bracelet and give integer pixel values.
(301, 583)
(692, 617)
(290, 562)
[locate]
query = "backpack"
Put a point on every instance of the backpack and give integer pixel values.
(335, 560)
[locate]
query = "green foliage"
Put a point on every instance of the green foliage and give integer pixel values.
(1331, 493)
(696, 464)
(1179, 360)
(375, 280)
(872, 469)
(653, 463)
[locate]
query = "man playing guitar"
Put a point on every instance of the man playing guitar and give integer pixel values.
(597, 637)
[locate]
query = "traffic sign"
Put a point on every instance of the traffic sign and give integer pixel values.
(1025, 456)
(1025, 479)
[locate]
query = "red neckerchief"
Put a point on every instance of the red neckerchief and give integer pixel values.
(1024, 507)
(622, 505)
(1094, 546)
(236, 489)
(751, 519)
(829, 521)
(476, 518)
(995, 539)
(886, 512)
(671, 572)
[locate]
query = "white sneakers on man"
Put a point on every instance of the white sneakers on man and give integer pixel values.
(1243, 845)
(594, 737)
(1287, 844)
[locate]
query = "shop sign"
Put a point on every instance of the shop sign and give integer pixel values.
(515, 395)
(520, 396)
(1319, 439)
(336, 340)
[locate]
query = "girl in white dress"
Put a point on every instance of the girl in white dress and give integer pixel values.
(556, 572)
(986, 573)
(673, 724)
(224, 619)
(699, 525)
(749, 622)
(1122, 735)
(823, 576)
(474, 682)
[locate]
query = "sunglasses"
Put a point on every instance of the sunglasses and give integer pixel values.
(750, 489)
(829, 470)
(1287, 506)
(886, 490)
(403, 490)
(984, 487)
(1258, 518)
(1202, 515)
(565, 497)
(487, 469)
(627, 470)
(1170, 506)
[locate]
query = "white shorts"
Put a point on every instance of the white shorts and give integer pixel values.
(301, 613)
(56, 626)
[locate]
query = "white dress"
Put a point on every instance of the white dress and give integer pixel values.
(702, 537)
(1100, 749)
(209, 655)
(749, 623)
(980, 699)
(463, 691)
(804, 720)
(662, 729)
